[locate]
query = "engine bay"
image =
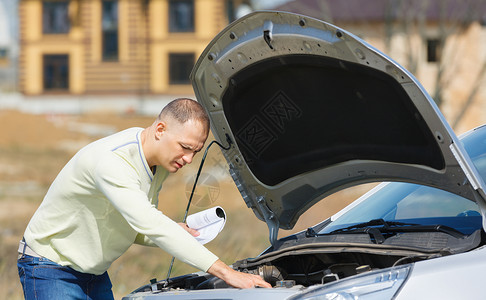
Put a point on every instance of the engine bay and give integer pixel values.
(295, 270)
(293, 263)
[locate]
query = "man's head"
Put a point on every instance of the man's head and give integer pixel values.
(183, 110)
(180, 131)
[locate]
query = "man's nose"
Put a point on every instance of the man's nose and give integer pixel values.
(187, 158)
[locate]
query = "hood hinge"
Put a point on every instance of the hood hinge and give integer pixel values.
(270, 219)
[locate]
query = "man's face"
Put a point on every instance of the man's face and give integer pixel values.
(178, 143)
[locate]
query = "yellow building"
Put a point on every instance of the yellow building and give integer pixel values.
(114, 46)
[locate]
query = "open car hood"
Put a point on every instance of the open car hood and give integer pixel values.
(310, 109)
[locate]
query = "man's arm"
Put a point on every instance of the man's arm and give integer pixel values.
(236, 279)
(120, 184)
(145, 241)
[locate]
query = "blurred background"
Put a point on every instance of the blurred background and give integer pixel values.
(73, 71)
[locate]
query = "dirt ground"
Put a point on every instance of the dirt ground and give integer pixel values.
(33, 149)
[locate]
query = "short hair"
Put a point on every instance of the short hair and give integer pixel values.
(185, 109)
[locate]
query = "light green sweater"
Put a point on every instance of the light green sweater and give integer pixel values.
(104, 200)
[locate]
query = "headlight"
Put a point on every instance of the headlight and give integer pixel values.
(382, 284)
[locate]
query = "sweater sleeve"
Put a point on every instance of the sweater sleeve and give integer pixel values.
(120, 183)
(144, 241)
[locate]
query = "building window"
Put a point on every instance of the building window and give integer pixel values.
(56, 72)
(109, 25)
(3, 56)
(230, 10)
(434, 48)
(180, 67)
(55, 17)
(3, 53)
(181, 15)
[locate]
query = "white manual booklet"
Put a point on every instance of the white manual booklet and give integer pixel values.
(208, 222)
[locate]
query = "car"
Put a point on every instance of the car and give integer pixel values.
(308, 109)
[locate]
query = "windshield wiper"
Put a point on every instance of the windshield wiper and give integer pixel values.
(374, 222)
(375, 228)
(366, 227)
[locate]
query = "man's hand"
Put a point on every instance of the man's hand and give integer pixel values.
(236, 279)
(192, 231)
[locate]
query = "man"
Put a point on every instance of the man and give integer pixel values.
(105, 199)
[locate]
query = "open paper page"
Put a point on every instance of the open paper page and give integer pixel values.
(208, 222)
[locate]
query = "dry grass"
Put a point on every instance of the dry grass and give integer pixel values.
(34, 148)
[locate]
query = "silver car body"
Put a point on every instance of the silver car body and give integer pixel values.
(309, 109)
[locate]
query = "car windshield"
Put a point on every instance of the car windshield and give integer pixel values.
(417, 204)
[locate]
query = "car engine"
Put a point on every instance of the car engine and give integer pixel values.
(317, 261)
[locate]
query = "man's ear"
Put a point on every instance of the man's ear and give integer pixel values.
(160, 129)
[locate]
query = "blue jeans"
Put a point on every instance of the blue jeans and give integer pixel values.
(44, 279)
